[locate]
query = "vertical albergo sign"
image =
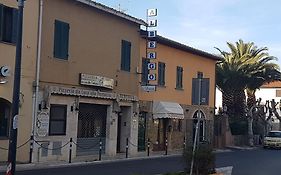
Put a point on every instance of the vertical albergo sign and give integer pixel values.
(151, 48)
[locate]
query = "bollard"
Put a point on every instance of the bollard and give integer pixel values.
(70, 151)
(166, 147)
(148, 147)
(127, 147)
(31, 149)
(100, 150)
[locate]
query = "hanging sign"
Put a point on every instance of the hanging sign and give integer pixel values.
(150, 88)
(151, 12)
(152, 23)
(151, 34)
(151, 66)
(151, 55)
(151, 77)
(151, 45)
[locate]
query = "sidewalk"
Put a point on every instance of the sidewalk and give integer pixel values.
(87, 160)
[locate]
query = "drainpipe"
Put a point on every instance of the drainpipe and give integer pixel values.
(37, 75)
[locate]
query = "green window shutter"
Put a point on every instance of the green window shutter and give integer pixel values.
(205, 88)
(161, 74)
(15, 26)
(125, 55)
(145, 62)
(61, 40)
(123, 50)
(128, 58)
(1, 22)
(195, 91)
(179, 77)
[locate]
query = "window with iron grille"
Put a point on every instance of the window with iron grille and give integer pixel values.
(57, 125)
(8, 24)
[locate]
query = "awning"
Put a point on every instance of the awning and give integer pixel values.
(163, 109)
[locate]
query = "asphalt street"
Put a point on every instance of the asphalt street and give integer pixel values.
(252, 162)
(244, 162)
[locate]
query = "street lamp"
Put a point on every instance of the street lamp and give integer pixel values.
(11, 166)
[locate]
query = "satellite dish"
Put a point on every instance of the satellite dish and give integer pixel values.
(5, 71)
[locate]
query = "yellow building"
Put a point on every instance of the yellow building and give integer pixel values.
(87, 85)
(82, 83)
(8, 13)
(179, 71)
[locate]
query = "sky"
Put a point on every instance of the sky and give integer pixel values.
(206, 24)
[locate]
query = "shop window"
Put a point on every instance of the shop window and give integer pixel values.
(125, 55)
(8, 24)
(61, 40)
(5, 111)
(57, 124)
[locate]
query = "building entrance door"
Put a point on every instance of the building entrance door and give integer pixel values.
(91, 128)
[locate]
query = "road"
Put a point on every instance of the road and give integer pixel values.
(244, 162)
(252, 162)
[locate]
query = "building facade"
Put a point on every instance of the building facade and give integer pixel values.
(84, 72)
(88, 83)
(8, 21)
(183, 76)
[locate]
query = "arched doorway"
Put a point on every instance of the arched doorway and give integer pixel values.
(202, 125)
(5, 113)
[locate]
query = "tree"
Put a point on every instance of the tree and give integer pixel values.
(245, 67)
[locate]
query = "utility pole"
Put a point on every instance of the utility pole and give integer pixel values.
(11, 166)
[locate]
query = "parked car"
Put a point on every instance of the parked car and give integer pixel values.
(272, 140)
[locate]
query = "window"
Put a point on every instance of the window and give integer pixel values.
(204, 91)
(161, 74)
(144, 78)
(5, 109)
(61, 40)
(57, 120)
(126, 55)
(179, 77)
(8, 24)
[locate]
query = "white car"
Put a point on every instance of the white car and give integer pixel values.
(272, 140)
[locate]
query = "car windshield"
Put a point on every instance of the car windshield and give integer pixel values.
(274, 134)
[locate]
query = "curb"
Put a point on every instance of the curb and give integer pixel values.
(242, 147)
(53, 165)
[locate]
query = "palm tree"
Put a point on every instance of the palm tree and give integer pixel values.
(233, 73)
(244, 67)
